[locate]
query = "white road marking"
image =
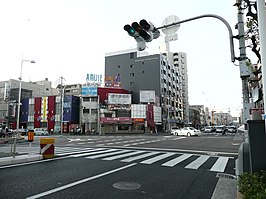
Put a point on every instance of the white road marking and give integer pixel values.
(123, 155)
(80, 182)
(94, 152)
(75, 152)
(177, 160)
(157, 158)
(139, 157)
(107, 154)
(220, 164)
(198, 162)
(179, 138)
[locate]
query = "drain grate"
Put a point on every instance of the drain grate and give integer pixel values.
(225, 175)
(126, 185)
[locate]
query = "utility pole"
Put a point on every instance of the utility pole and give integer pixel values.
(213, 117)
(262, 33)
(244, 70)
(61, 104)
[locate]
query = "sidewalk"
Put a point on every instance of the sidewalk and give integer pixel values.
(226, 188)
(19, 159)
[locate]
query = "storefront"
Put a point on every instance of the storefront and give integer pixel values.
(116, 125)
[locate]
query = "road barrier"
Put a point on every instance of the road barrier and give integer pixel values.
(47, 147)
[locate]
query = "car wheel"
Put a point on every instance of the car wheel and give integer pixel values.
(176, 134)
(188, 134)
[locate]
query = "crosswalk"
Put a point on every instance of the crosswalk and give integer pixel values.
(146, 157)
(119, 141)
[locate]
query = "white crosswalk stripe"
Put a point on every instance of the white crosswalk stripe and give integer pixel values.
(157, 158)
(107, 154)
(220, 164)
(177, 160)
(139, 157)
(198, 162)
(123, 155)
(94, 152)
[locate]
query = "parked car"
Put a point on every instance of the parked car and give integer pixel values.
(231, 129)
(40, 131)
(175, 130)
(209, 129)
(221, 129)
(21, 131)
(188, 131)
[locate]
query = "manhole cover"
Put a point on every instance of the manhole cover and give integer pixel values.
(126, 185)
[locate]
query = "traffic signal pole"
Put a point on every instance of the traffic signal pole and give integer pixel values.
(244, 71)
(262, 33)
(213, 16)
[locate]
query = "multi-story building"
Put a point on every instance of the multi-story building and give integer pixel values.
(200, 120)
(223, 119)
(9, 94)
(154, 72)
(45, 112)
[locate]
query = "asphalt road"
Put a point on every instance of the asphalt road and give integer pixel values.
(86, 178)
(161, 167)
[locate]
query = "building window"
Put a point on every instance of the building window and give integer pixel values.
(132, 74)
(131, 83)
(131, 66)
(94, 111)
(143, 72)
(86, 99)
(131, 55)
(143, 63)
(94, 99)
(86, 110)
(118, 66)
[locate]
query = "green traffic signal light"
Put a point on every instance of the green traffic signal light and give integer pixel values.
(131, 31)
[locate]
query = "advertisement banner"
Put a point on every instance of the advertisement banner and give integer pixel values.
(147, 96)
(123, 120)
(88, 91)
(94, 78)
(115, 98)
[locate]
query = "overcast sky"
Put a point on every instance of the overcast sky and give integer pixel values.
(69, 38)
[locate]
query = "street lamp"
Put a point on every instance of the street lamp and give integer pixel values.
(19, 91)
(19, 98)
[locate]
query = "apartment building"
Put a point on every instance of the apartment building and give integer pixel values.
(168, 78)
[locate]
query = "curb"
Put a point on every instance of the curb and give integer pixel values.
(19, 159)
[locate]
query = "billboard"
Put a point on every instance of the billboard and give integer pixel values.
(88, 91)
(111, 81)
(147, 96)
(115, 98)
(94, 78)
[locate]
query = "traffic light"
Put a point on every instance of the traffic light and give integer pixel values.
(142, 32)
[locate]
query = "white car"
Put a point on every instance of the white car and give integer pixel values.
(175, 130)
(188, 131)
(40, 131)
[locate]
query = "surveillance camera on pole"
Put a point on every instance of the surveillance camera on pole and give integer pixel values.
(142, 32)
